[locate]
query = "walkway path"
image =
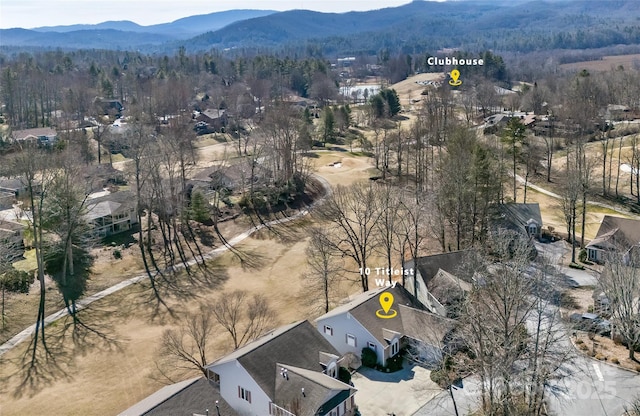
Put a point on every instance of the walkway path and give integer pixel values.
(84, 302)
(521, 180)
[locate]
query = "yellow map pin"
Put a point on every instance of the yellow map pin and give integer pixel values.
(386, 301)
(455, 74)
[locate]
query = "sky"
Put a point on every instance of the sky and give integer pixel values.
(35, 13)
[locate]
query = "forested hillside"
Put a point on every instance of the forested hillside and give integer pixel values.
(417, 27)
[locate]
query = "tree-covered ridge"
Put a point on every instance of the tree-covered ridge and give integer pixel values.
(417, 27)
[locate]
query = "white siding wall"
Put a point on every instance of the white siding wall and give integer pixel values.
(232, 375)
(346, 324)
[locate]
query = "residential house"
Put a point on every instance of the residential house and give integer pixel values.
(7, 199)
(109, 106)
(436, 282)
(362, 323)
(291, 370)
(196, 396)
(522, 218)
(618, 112)
(13, 234)
(615, 234)
(216, 119)
(15, 186)
(41, 136)
(112, 213)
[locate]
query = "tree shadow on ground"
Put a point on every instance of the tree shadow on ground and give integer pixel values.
(155, 298)
(44, 363)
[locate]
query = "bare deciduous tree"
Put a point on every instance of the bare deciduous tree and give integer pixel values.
(246, 317)
(325, 266)
(620, 282)
(355, 211)
(186, 347)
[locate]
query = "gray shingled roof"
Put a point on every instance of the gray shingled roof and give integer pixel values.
(414, 320)
(37, 132)
(298, 344)
(617, 233)
(517, 216)
(109, 204)
(429, 266)
(182, 399)
(321, 392)
(12, 184)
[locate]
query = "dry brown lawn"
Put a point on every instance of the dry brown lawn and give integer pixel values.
(605, 349)
(97, 377)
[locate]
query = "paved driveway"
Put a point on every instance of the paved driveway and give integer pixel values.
(402, 392)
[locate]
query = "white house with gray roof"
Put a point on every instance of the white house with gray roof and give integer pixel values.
(357, 325)
(292, 370)
(111, 214)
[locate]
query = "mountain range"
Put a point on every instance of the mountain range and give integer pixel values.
(415, 27)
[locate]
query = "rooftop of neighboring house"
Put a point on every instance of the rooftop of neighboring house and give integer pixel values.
(517, 216)
(429, 266)
(11, 183)
(617, 233)
(6, 194)
(34, 133)
(214, 113)
(299, 345)
(193, 396)
(109, 204)
(11, 226)
(314, 393)
(444, 282)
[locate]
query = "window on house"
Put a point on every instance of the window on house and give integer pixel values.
(371, 345)
(328, 330)
(395, 347)
(244, 394)
(351, 340)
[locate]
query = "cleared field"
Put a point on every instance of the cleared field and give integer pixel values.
(607, 63)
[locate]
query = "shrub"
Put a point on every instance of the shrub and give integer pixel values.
(600, 357)
(582, 256)
(344, 375)
(369, 357)
(394, 363)
(584, 347)
(615, 360)
(579, 342)
(439, 377)
(576, 266)
(117, 254)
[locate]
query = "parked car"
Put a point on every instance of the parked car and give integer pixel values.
(203, 128)
(591, 322)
